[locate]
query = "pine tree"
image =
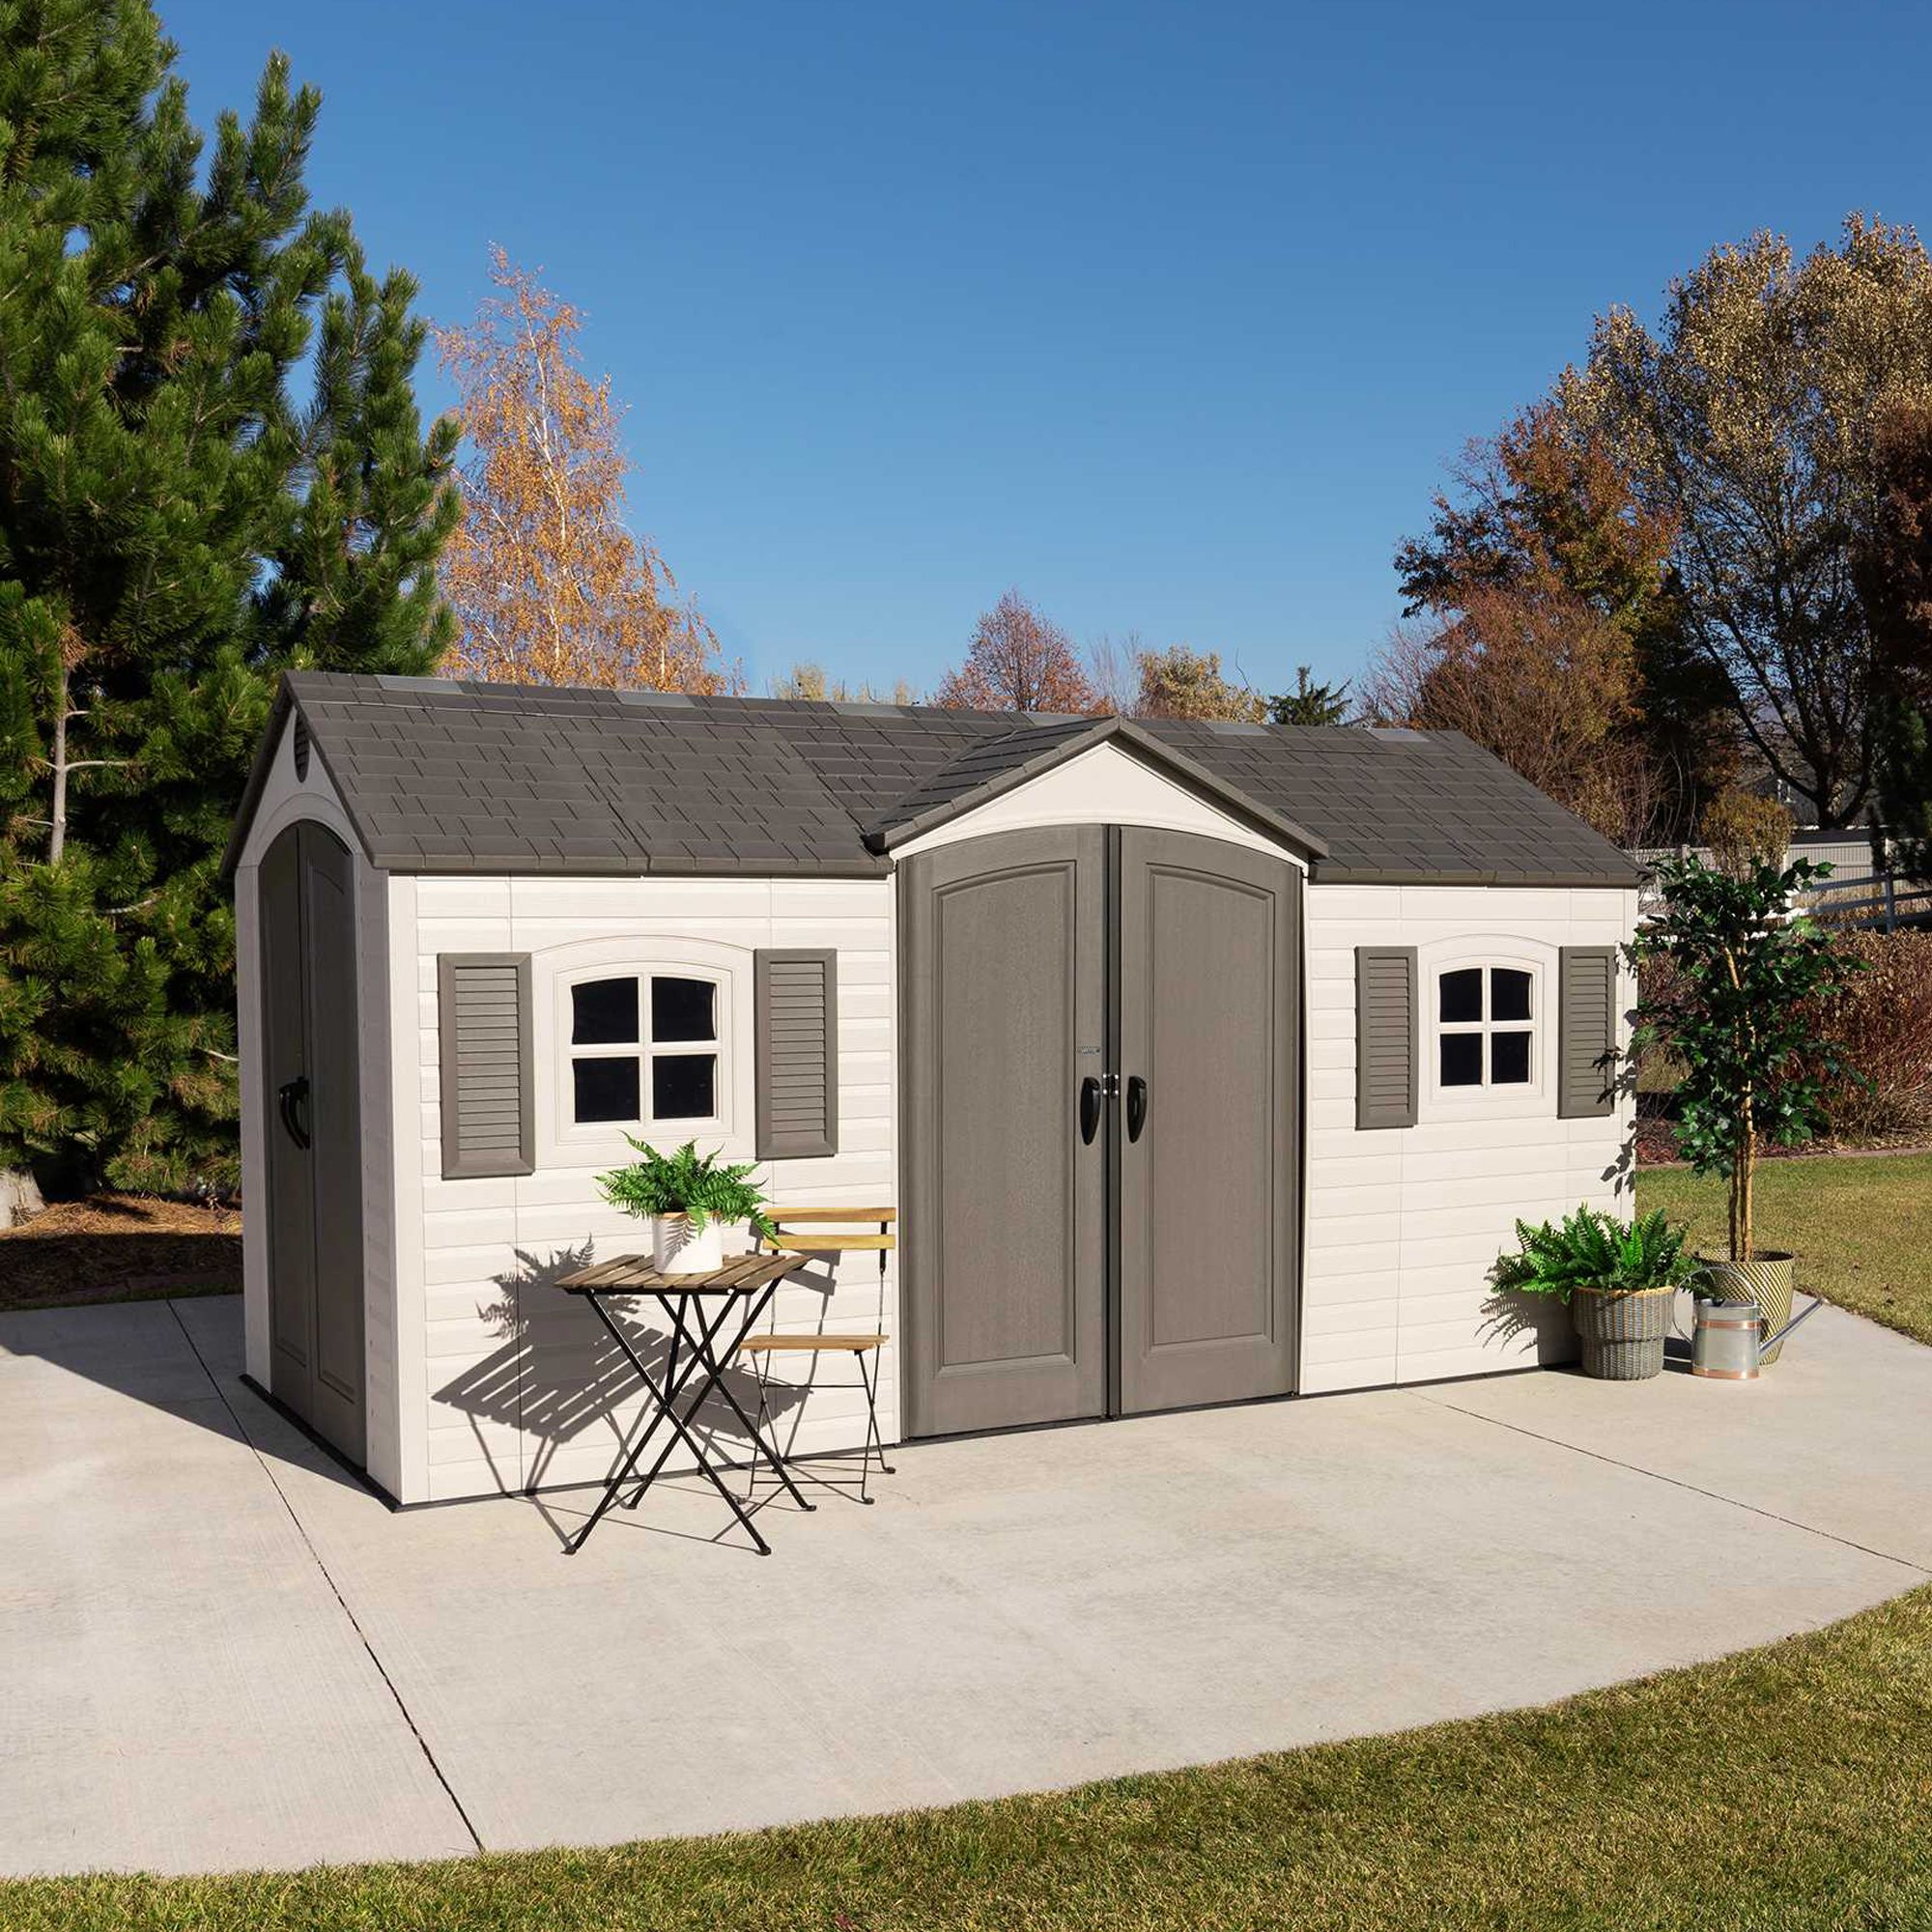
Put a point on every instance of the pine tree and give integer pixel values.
(175, 530)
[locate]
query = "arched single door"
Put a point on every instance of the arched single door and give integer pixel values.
(1100, 1126)
(314, 1140)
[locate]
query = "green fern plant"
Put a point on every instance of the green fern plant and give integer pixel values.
(1595, 1250)
(686, 1182)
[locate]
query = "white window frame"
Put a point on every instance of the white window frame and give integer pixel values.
(1488, 1101)
(562, 1140)
(647, 1050)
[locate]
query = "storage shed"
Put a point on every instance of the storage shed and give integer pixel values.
(1203, 1061)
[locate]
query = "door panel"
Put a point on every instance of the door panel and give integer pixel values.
(329, 912)
(314, 1140)
(1005, 989)
(290, 1189)
(1208, 1012)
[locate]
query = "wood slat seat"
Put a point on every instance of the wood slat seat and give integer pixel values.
(807, 1217)
(794, 1345)
(832, 1244)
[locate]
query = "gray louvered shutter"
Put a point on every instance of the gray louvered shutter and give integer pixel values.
(1586, 1030)
(1386, 1028)
(797, 1014)
(483, 1020)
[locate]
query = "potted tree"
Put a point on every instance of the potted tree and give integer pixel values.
(689, 1200)
(1733, 1008)
(1620, 1282)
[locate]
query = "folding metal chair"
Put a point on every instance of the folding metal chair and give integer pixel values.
(794, 1236)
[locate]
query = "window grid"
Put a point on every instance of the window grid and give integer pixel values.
(645, 1050)
(1497, 1061)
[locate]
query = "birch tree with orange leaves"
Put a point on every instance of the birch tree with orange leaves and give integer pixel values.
(550, 585)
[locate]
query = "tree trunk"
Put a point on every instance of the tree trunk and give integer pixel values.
(57, 816)
(19, 1197)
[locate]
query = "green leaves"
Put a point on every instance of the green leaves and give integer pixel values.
(685, 1182)
(1593, 1249)
(176, 527)
(1744, 962)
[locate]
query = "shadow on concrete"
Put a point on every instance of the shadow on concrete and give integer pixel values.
(558, 1376)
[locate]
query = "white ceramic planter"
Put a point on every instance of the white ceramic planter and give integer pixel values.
(677, 1250)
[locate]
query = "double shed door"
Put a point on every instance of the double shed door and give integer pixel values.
(313, 1136)
(1100, 1126)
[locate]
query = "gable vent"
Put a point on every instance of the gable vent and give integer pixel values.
(302, 746)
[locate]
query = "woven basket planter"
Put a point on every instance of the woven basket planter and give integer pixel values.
(1622, 1331)
(1765, 1279)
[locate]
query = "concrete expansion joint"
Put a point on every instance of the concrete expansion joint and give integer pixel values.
(315, 1557)
(1676, 1483)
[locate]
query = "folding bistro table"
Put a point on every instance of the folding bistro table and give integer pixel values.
(709, 1316)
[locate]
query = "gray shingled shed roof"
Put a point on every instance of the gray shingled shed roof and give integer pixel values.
(442, 777)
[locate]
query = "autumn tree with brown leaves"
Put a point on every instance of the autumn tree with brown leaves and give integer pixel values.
(1018, 660)
(549, 583)
(1547, 625)
(1893, 566)
(1183, 683)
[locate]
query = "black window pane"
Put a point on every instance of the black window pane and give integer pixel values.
(1461, 1060)
(1508, 994)
(1509, 1059)
(603, 1013)
(606, 1089)
(1463, 994)
(683, 1009)
(684, 1087)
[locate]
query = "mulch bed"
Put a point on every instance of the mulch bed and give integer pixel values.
(120, 1247)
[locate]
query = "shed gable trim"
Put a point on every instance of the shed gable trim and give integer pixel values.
(991, 770)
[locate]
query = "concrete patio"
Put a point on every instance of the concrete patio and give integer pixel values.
(221, 1651)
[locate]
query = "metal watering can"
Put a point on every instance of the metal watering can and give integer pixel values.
(1727, 1340)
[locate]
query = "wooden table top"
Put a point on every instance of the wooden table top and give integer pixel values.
(633, 1274)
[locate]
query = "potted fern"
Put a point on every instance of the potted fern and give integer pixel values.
(689, 1200)
(1620, 1282)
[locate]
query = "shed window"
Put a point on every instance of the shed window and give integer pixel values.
(643, 1049)
(1486, 1026)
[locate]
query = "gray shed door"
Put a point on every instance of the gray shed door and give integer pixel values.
(1054, 1273)
(1208, 953)
(314, 1141)
(1005, 1013)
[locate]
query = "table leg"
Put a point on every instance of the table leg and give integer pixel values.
(703, 1349)
(666, 1399)
(759, 1446)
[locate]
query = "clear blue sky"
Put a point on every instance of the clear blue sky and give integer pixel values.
(1170, 315)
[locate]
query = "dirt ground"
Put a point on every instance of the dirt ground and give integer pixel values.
(120, 1247)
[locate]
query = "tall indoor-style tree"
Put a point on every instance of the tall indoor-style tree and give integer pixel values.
(176, 527)
(548, 581)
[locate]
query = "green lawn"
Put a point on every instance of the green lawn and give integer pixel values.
(1781, 1790)
(1860, 1227)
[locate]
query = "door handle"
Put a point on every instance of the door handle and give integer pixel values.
(291, 1095)
(1089, 1109)
(1136, 1099)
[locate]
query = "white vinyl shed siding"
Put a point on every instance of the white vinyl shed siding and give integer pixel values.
(494, 1399)
(1403, 1224)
